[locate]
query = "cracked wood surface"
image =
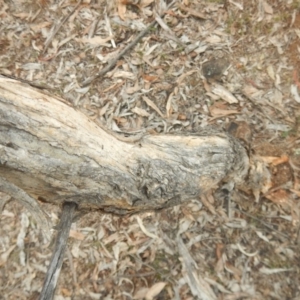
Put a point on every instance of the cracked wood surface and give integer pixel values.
(55, 153)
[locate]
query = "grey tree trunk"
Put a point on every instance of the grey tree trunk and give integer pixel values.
(49, 151)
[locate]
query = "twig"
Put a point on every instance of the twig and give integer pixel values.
(103, 281)
(41, 86)
(57, 27)
(192, 12)
(169, 32)
(269, 226)
(252, 100)
(73, 271)
(58, 253)
(31, 204)
(109, 29)
(113, 62)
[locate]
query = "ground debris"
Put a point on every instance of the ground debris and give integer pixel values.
(256, 256)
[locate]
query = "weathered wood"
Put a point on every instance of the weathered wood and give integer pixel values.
(55, 153)
(58, 253)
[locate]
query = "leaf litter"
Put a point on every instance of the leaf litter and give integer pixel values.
(202, 62)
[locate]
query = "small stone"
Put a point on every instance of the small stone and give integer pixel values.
(214, 68)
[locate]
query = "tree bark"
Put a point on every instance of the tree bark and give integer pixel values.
(52, 152)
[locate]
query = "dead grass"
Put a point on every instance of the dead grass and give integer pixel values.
(225, 247)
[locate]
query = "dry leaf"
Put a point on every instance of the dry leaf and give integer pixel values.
(242, 249)
(121, 9)
(66, 292)
(133, 89)
(262, 236)
(153, 106)
(123, 74)
(112, 87)
(193, 12)
(188, 213)
(145, 3)
(181, 78)
(141, 294)
(267, 7)
(271, 72)
(238, 5)
(223, 93)
(198, 286)
(169, 108)
(295, 192)
(207, 87)
(6, 213)
(259, 177)
(77, 235)
(149, 78)
(182, 117)
(279, 197)
(22, 15)
(219, 250)
(103, 110)
(276, 97)
(95, 41)
(205, 200)
(237, 273)
(217, 112)
(275, 161)
(39, 26)
(269, 271)
(294, 92)
(251, 91)
(143, 228)
(213, 39)
(4, 256)
(140, 112)
(155, 290)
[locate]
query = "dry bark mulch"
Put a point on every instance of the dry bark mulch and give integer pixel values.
(229, 64)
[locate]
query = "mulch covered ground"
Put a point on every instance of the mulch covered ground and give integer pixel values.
(229, 64)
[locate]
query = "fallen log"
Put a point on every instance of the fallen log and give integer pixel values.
(50, 151)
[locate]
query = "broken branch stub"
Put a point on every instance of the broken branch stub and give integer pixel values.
(55, 153)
